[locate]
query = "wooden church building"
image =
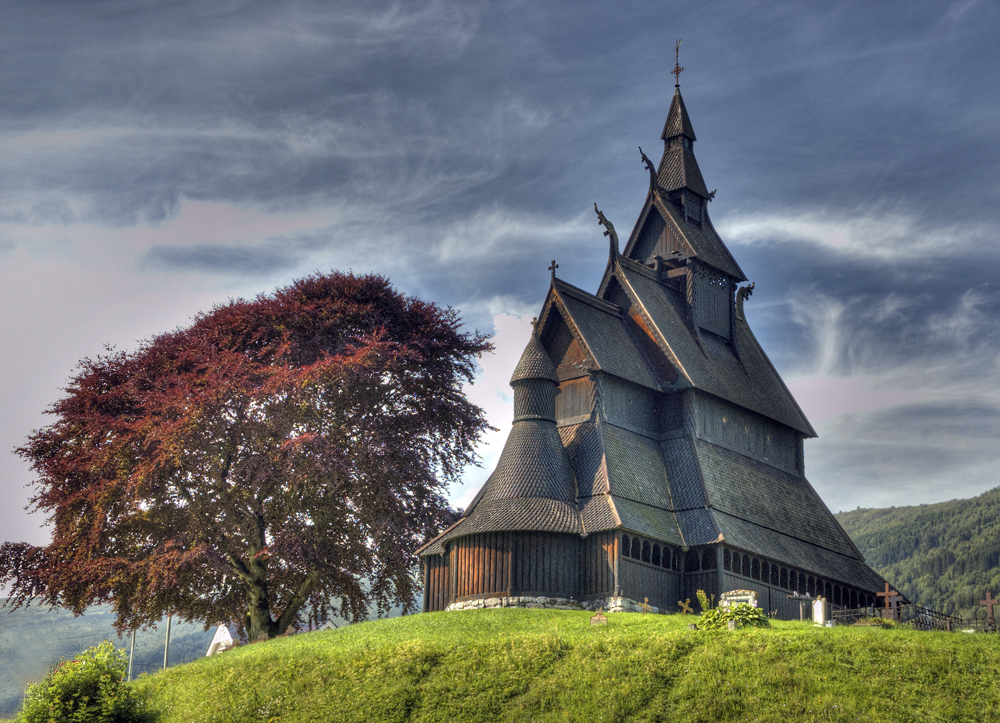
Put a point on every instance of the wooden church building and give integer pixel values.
(654, 450)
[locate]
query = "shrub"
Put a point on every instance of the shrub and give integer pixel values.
(89, 689)
(744, 614)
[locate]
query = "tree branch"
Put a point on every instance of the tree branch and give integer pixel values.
(298, 600)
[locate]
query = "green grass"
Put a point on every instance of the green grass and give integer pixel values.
(542, 665)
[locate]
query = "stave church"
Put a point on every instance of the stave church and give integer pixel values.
(655, 450)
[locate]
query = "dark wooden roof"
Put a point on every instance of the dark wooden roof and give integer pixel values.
(678, 123)
(601, 329)
(534, 363)
(750, 381)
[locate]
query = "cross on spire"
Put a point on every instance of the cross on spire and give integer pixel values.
(553, 268)
(676, 72)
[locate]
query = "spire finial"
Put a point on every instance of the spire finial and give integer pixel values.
(676, 72)
(553, 268)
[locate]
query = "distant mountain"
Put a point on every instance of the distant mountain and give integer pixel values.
(33, 639)
(945, 556)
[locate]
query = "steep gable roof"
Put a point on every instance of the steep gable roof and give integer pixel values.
(702, 239)
(600, 328)
(749, 381)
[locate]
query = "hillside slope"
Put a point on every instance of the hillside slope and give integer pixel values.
(945, 556)
(32, 639)
(552, 665)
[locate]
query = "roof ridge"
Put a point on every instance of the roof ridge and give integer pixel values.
(588, 298)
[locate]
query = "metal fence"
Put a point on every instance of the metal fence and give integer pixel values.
(912, 616)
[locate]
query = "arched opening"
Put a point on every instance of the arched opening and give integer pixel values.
(871, 601)
(692, 563)
(708, 559)
(636, 549)
(727, 561)
(765, 571)
(811, 586)
(668, 557)
(836, 595)
(626, 546)
(854, 599)
(774, 575)
(801, 589)
(783, 580)
(755, 569)
(677, 560)
(745, 569)
(645, 551)
(655, 559)
(828, 591)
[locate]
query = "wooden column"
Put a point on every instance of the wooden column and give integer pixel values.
(453, 574)
(510, 563)
(719, 572)
(618, 557)
(427, 582)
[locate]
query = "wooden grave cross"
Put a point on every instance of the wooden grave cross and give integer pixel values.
(600, 618)
(686, 608)
(645, 606)
(988, 603)
(889, 594)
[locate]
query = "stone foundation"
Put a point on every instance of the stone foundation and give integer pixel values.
(608, 604)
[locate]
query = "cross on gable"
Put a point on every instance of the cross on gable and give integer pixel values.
(988, 603)
(553, 268)
(686, 608)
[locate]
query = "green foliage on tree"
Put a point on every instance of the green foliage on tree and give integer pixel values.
(944, 556)
(89, 689)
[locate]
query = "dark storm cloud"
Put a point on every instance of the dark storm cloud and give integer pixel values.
(459, 104)
(217, 259)
(457, 147)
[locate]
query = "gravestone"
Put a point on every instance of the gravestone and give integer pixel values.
(599, 618)
(821, 610)
(735, 597)
(221, 642)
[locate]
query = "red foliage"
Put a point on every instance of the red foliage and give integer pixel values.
(288, 450)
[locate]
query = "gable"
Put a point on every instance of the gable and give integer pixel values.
(564, 349)
(641, 332)
(711, 364)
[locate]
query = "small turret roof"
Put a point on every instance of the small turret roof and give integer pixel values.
(534, 363)
(678, 123)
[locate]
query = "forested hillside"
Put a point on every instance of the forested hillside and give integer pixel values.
(945, 556)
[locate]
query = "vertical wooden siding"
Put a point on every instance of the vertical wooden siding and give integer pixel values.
(598, 562)
(437, 586)
(640, 581)
(495, 563)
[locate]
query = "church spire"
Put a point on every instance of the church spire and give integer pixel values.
(678, 169)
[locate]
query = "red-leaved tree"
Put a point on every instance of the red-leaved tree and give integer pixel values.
(280, 459)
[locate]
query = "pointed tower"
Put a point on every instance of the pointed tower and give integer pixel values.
(655, 450)
(678, 173)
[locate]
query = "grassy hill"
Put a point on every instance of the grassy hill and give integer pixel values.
(945, 556)
(547, 665)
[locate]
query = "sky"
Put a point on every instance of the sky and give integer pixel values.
(157, 158)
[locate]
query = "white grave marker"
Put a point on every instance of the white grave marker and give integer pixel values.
(222, 641)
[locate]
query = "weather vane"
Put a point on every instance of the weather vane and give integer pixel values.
(676, 72)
